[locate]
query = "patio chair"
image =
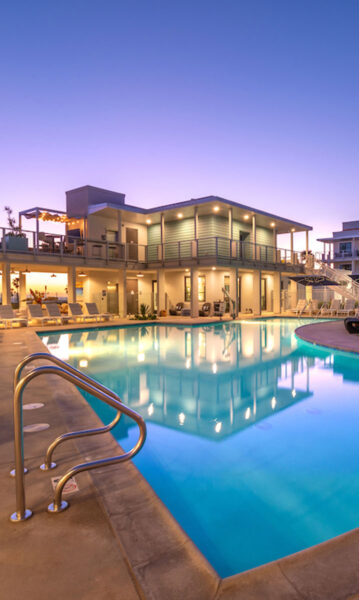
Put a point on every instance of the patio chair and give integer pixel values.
(349, 307)
(300, 308)
(75, 312)
(7, 316)
(35, 313)
(177, 310)
(53, 311)
(312, 308)
(332, 309)
(205, 310)
(92, 311)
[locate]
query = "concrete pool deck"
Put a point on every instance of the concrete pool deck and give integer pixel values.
(331, 334)
(117, 540)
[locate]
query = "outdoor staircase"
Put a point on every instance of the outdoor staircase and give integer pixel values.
(348, 288)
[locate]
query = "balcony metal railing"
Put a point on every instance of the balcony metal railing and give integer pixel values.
(216, 247)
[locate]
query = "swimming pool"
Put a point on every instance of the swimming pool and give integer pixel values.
(253, 438)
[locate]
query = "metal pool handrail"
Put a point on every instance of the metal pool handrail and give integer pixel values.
(48, 464)
(22, 513)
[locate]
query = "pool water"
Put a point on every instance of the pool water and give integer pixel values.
(253, 435)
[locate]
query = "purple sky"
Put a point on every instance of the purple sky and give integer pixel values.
(255, 101)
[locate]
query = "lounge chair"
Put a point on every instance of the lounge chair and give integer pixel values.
(35, 313)
(75, 312)
(92, 311)
(349, 307)
(177, 310)
(313, 308)
(332, 309)
(53, 311)
(300, 308)
(205, 310)
(7, 316)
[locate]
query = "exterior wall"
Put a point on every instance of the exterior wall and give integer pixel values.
(94, 285)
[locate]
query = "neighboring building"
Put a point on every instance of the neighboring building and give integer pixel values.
(342, 250)
(121, 256)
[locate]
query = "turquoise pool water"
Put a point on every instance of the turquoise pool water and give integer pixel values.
(253, 435)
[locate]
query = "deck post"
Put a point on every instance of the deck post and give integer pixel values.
(161, 295)
(276, 293)
(71, 284)
(194, 293)
(22, 290)
(256, 292)
(6, 283)
(122, 293)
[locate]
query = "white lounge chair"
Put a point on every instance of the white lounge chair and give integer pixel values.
(53, 311)
(92, 311)
(349, 307)
(7, 316)
(332, 309)
(312, 308)
(35, 313)
(300, 308)
(75, 312)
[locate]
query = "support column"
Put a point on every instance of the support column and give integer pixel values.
(306, 242)
(274, 243)
(122, 294)
(293, 294)
(276, 293)
(22, 290)
(256, 293)
(71, 284)
(161, 292)
(6, 284)
(196, 223)
(233, 289)
(254, 237)
(119, 227)
(162, 228)
(230, 223)
(291, 246)
(194, 293)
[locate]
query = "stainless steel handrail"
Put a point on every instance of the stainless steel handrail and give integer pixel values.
(58, 505)
(48, 464)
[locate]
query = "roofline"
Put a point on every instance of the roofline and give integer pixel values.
(198, 201)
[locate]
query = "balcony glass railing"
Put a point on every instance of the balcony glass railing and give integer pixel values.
(170, 252)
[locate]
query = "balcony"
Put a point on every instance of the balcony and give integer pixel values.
(54, 248)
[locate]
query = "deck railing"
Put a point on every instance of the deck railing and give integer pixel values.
(214, 247)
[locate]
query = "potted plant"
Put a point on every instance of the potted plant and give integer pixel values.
(15, 240)
(15, 292)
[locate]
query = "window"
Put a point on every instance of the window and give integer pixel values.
(201, 288)
(345, 248)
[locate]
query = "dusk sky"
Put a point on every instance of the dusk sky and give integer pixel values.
(255, 101)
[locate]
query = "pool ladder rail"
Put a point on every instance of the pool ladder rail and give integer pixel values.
(86, 383)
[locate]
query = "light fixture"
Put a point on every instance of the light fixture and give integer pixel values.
(82, 274)
(213, 268)
(216, 208)
(53, 275)
(187, 270)
(83, 363)
(179, 215)
(148, 221)
(246, 217)
(292, 230)
(272, 224)
(26, 271)
(140, 274)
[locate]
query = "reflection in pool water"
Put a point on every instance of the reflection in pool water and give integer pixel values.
(252, 434)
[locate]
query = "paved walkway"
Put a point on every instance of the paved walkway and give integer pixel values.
(74, 555)
(331, 334)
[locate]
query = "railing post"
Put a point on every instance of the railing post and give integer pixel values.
(61, 245)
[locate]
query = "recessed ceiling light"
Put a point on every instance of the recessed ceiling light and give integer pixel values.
(140, 274)
(213, 268)
(272, 224)
(246, 217)
(148, 221)
(216, 208)
(82, 274)
(179, 215)
(293, 230)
